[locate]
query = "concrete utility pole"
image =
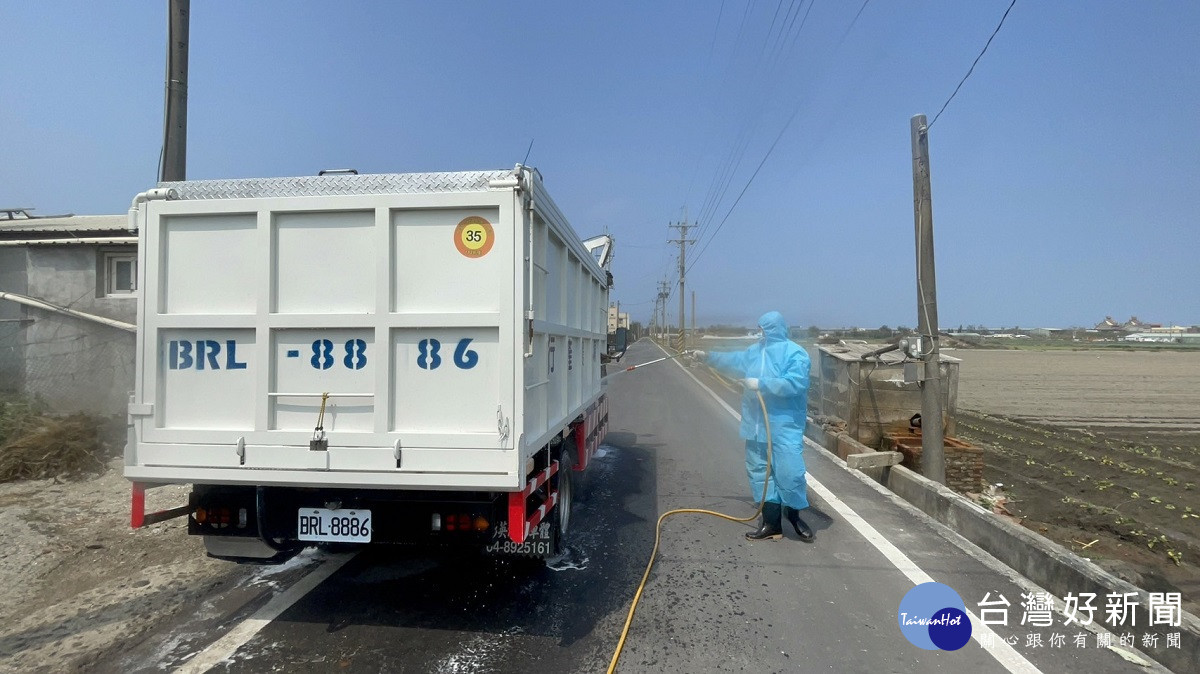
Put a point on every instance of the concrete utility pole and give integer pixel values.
(683, 241)
(693, 314)
(663, 294)
(174, 165)
(933, 460)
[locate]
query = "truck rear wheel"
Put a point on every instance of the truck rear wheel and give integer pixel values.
(561, 515)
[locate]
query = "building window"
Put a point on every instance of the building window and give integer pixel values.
(120, 274)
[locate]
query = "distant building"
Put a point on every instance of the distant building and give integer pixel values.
(1131, 325)
(617, 319)
(1159, 337)
(68, 308)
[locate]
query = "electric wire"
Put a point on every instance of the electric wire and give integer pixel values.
(727, 172)
(771, 149)
(754, 175)
(796, 36)
(851, 26)
(637, 597)
(973, 64)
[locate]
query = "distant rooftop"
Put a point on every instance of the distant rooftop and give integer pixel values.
(61, 223)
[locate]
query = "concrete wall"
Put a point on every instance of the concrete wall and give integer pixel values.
(72, 363)
(12, 323)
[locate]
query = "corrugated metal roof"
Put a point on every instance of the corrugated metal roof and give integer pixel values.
(74, 223)
(854, 351)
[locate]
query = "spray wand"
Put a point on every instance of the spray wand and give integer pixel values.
(650, 362)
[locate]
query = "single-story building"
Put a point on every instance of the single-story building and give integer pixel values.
(68, 309)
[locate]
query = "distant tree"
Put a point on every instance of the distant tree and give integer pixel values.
(903, 329)
(814, 331)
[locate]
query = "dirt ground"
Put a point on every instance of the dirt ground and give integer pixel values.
(78, 581)
(1098, 450)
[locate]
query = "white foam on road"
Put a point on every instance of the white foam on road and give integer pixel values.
(224, 648)
(1005, 654)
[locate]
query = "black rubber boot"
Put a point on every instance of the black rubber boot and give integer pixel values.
(771, 526)
(802, 529)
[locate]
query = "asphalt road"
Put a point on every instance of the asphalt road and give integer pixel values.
(715, 602)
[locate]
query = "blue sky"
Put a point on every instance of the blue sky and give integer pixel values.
(1066, 173)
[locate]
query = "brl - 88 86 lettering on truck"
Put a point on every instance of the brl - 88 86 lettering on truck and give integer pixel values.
(397, 358)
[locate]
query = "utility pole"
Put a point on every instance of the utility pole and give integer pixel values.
(933, 460)
(174, 163)
(683, 241)
(663, 294)
(693, 313)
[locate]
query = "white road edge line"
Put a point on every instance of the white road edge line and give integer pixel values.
(226, 646)
(999, 649)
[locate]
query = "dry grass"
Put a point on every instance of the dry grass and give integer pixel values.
(35, 444)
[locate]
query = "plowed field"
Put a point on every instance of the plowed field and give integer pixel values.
(1098, 450)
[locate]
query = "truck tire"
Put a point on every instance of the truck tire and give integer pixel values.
(560, 517)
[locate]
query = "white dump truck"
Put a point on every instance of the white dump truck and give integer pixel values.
(344, 358)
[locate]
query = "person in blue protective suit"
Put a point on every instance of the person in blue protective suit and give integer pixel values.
(777, 368)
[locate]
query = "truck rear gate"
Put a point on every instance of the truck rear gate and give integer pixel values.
(432, 332)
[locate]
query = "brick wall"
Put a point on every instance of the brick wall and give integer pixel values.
(964, 462)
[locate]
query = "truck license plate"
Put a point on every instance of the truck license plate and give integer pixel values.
(334, 526)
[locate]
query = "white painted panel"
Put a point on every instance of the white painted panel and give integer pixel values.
(226, 456)
(295, 458)
(574, 371)
(206, 379)
(362, 458)
(341, 362)
(554, 279)
(446, 380)
(540, 273)
(556, 372)
(431, 274)
(208, 263)
(536, 387)
(324, 262)
(571, 292)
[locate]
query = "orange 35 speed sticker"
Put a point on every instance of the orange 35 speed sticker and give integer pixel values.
(474, 236)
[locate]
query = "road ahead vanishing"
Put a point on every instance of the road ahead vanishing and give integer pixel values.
(714, 603)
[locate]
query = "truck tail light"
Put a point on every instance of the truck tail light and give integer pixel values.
(458, 522)
(201, 515)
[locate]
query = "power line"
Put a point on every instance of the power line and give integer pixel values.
(727, 170)
(972, 69)
(716, 31)
(747, 186)
(771, 149)
(851, 26)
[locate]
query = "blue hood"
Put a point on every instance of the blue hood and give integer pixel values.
(773, 326)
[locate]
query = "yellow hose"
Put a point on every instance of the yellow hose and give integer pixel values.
(612, 665)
